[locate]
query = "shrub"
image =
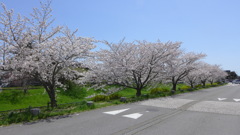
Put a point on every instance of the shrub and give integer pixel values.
(215, 84)
(159, 90)
(208, 85)
(115, 96)
(198, 86)
(16, 117)
(100, 98)
(146, 96)
(185, 87)
(83, 107)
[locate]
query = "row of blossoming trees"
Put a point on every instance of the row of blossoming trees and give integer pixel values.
(32, 48)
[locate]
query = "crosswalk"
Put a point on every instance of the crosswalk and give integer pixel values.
(133, 115)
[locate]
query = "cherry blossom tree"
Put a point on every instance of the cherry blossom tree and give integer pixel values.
(192, 78)
(204, 72)
(181, 65)
(134, 65)
(217, 74)
(34, 50)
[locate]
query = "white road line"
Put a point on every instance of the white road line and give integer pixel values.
(221, 99)
(116, 111)
(133, 116)
(237, 100)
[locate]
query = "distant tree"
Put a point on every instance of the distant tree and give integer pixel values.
(34, 50)
(204, 72)
(217, 74)
(231, 75)
(210, 73)
(134, 65)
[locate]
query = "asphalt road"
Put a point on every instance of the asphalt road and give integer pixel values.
(214, 111)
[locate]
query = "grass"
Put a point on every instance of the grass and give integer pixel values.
(16, 99)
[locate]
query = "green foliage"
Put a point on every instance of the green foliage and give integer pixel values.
(159, 90)
(16, 117)
(185, 87)
(116, 102)
(215, 84)
(98, 98)
(114, 96)
(198, 86)
(146, 96)
(74, 90)
(208, 85)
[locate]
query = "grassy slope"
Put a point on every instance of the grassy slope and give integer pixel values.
(15, 99)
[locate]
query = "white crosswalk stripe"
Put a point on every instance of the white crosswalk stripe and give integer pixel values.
(133, 116)
(237, 100)
(221, 99)
(116, 111)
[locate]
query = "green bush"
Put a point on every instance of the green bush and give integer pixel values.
(198, 86)
(215, 84)
(159, 90)
(185, 87)
(146, 96)
(115, 96)
(83, 107)
(100, 98)
(208, 85)
(16, 117)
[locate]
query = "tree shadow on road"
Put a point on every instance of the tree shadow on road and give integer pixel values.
(48, 120)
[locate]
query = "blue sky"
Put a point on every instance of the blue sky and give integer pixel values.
(208, 26)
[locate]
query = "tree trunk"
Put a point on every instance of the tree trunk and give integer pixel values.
(174, 87)
(204, 83)
(138, 94)
(52, 96)
(25, 86)
(211, 82)
(25, 90)
(192, 85)
(174, 84)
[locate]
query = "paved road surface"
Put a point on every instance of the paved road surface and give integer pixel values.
(214, 111)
